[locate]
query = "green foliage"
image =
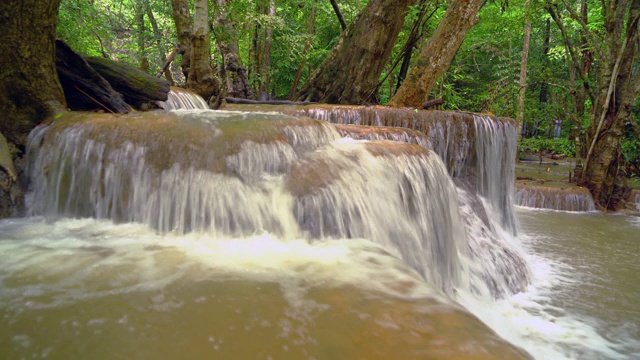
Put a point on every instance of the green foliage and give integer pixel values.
(554, 146)
(81, 25)
(108, 28)
(631, 150)
(484, 76)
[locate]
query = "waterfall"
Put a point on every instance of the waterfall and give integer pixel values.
(238, 174)
(202, 181)
(572, 199)
(478, 150)
(496, 151)
(182, 99)
(412, 209)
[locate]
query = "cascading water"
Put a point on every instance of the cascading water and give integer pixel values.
(413, 211)
(479, 153)
(302, 215)
(226, 174)
(578, 199)
(182, 99)
(496, 151)
(204, 180)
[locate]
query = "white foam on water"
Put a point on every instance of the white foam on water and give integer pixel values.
(45, 265)
(530, 319)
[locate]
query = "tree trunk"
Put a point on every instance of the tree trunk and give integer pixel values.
(29, 86)
(435, 58)
(235, 74)
(201, 78)
(523, 70)
(183, 21)
(546, 46)
(349, 75)
(307, 46)
(619, 89)
(578, 93)
(140, 33)
(265, 63)
(158, 35)
(255, 51)
(414, 36)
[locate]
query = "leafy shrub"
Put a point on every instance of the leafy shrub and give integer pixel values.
(555, 146)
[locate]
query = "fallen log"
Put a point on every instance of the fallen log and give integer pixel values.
(84, 88)
(232, 100)
(137, 87)
(433, 102)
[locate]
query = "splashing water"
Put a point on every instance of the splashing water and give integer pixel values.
(274, 199)
(179, 98)
(235, 174)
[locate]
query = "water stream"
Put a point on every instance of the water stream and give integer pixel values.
(262, 235)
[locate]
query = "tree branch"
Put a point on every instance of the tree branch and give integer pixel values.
(585, 28)
(343, 24)
(569, 46)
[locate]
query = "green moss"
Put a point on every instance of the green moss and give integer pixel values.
(136, 85)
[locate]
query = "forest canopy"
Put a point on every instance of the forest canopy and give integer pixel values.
(567, 39)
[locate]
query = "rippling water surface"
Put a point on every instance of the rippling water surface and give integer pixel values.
(586, 290)
(79, 288)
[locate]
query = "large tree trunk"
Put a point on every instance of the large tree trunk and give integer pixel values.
(349, 75)
(29, 86)
(619, 88)
(435, 58)
(183, 21)
(235, 74)
(202, 79)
